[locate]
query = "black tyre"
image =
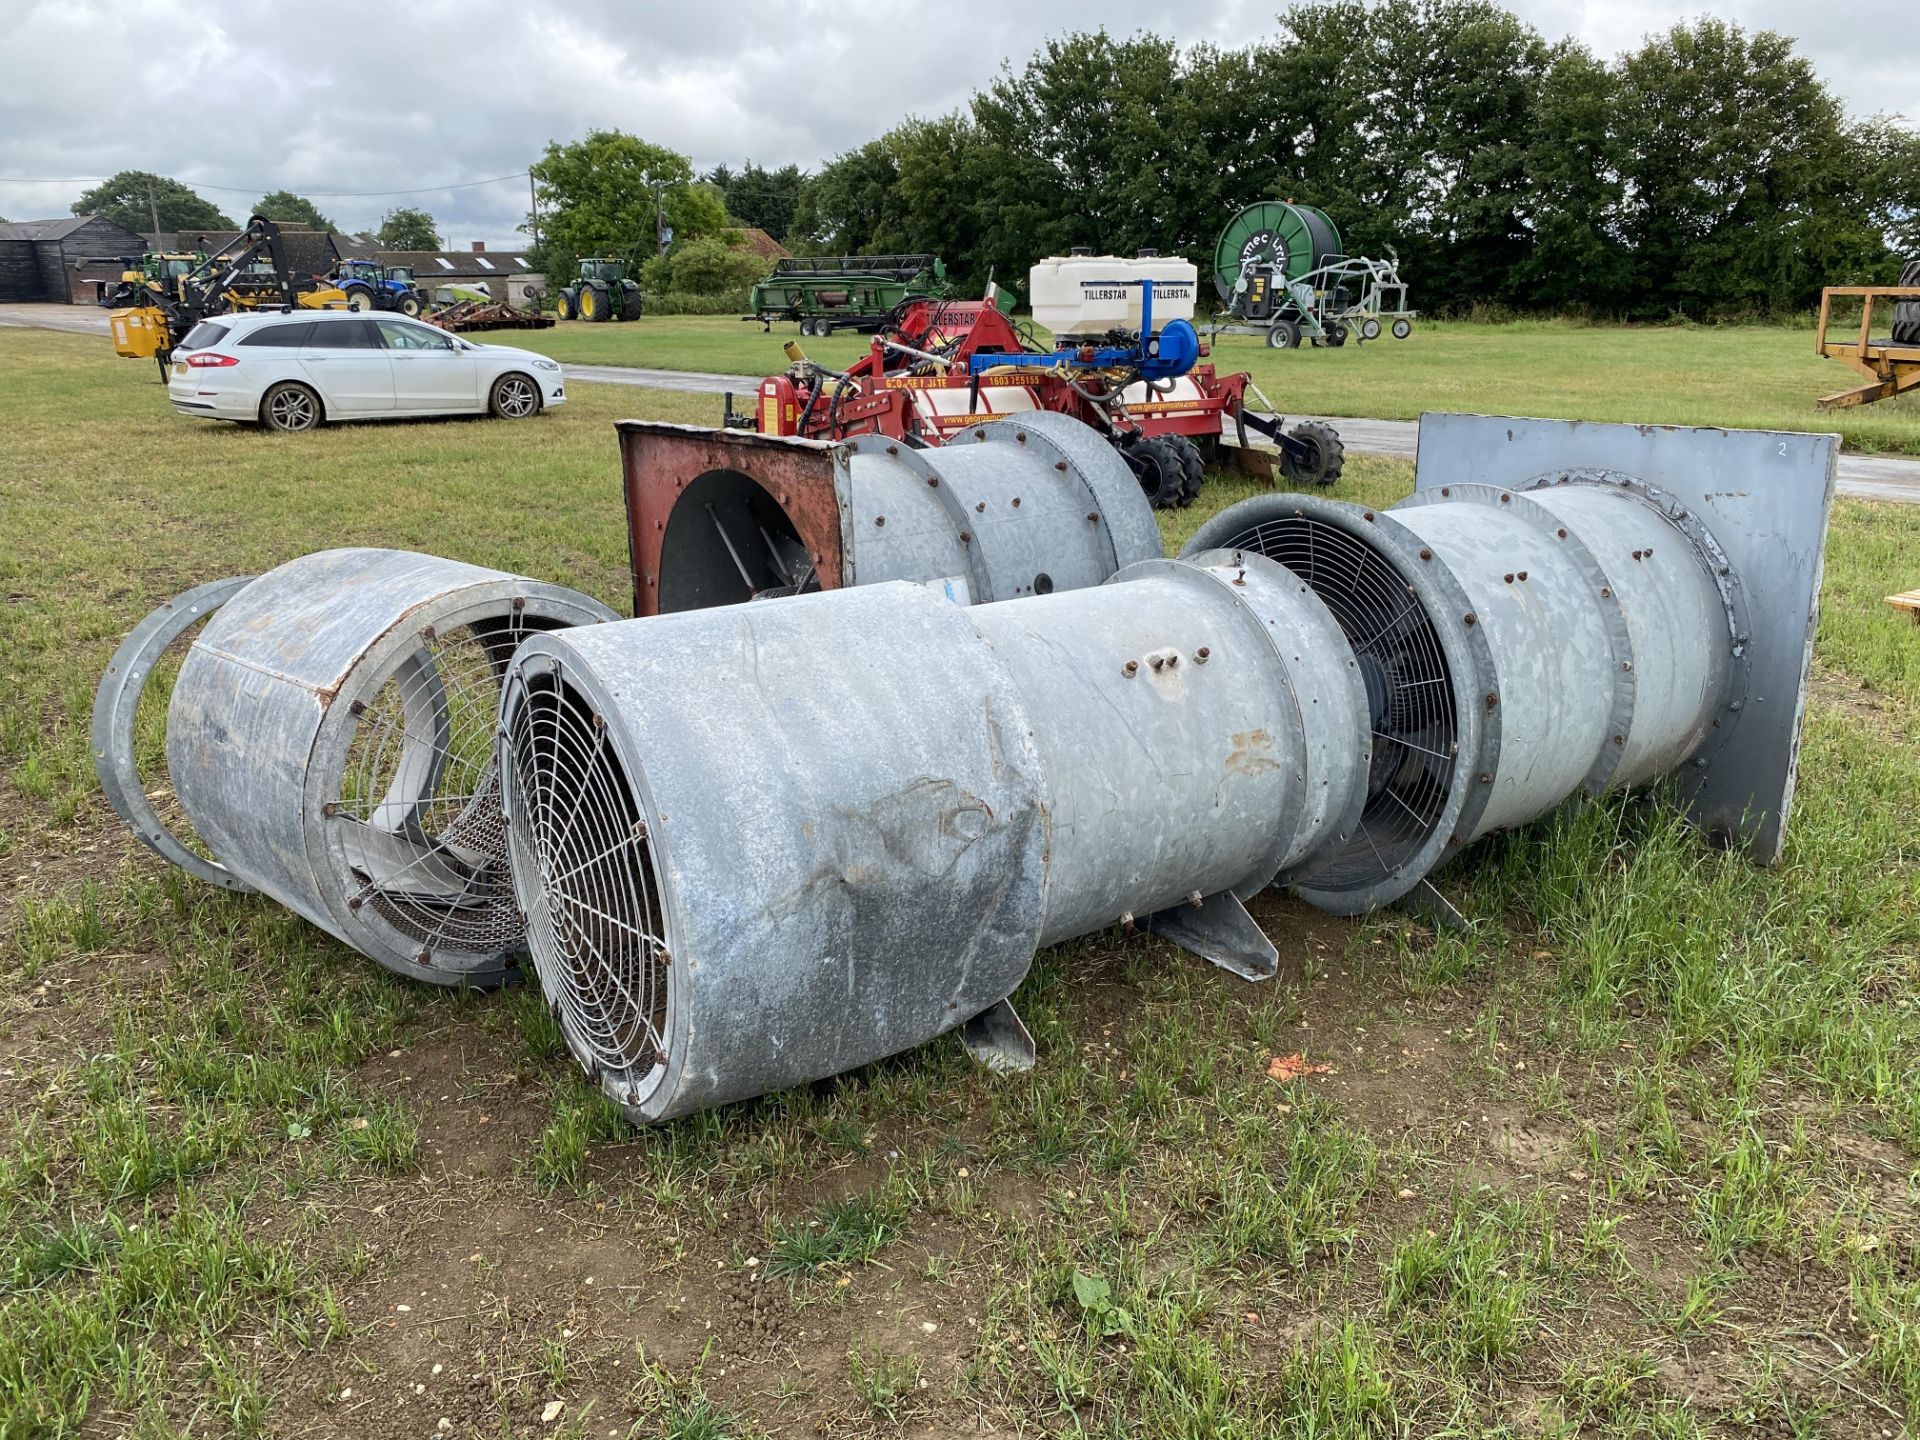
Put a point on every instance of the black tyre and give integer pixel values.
(630, 302)
(409, 304)
(514, 397)
(1336, 336)
(1193, 467)
(290, 408)
(1906, 313)
(1402, 329)
(1285, 335)
(1369, 329)
(359, 299)
(1159, 469)
(1325, 456)
(565, 305)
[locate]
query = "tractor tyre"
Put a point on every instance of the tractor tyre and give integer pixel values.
(1326, 455)
(630, 301)
(408, 304)
(359, 300)
(1158, 468)
(595, 303)
(1285, 335)
(566, 305)
(1193, 468)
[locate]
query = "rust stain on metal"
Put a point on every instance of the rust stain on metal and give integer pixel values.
(1252, 753)
(659, 460)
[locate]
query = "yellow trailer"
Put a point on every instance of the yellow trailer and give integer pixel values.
(1891, 367)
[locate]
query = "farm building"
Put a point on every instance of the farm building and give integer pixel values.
(45, 259)
(759, 242)
(337, 246)
(503, 274)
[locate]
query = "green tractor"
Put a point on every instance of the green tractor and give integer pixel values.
(602, 292)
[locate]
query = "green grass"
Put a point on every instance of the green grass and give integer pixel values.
(1755, 376)
(228, 1146)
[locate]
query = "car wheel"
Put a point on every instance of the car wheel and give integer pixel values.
(290, 408)
(359, 300)
(514, 397)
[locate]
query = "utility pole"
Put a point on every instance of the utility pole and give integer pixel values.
(533, 195)
(153, 207)
(661, 239)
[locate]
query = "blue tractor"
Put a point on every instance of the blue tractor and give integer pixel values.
(369, 285)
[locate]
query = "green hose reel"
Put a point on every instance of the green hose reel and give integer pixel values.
(1299, 239)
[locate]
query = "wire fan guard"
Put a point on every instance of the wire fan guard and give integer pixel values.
(420, 795)
(1415, 770)
(583, 862)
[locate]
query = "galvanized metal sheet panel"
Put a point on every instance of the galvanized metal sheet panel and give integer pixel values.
(1763, 497)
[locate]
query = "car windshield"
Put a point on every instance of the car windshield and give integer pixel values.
(203, 336)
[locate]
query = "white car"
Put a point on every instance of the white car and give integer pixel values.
(291, 370)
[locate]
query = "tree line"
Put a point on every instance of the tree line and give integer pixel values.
(1708, 173)
(134, 199)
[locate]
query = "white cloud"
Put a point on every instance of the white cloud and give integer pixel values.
(437, 93)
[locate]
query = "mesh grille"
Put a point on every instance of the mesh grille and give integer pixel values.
(420, 793)
(580, 846)
(1410, 698)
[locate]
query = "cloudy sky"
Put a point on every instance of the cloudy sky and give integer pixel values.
(259, 98)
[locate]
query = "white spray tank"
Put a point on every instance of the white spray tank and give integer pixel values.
(1083, 296)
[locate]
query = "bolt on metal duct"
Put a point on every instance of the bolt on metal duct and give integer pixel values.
(1011, 508)
(330, 739)
(1563, 607)
(760, 845)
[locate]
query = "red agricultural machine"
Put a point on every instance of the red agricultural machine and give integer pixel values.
(939, 366)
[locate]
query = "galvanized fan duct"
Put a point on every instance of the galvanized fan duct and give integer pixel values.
(116, 706)
(1406, 622)
(760, 845)
(1581, 629)
(1022, 505)
(330, 737)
